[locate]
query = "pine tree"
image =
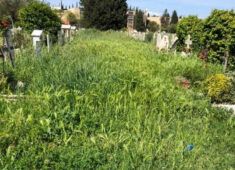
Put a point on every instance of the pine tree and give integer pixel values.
(139, 21)
(104, 14)
(174, 17)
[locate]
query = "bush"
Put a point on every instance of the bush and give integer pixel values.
(3, 82)
(39, 16)
(149, 37)
(193, 26)
(219, 36)
(21, 39)
(218, 87)
(153, 26)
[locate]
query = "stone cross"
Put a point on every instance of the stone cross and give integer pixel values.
(8, 46)
(188, 42)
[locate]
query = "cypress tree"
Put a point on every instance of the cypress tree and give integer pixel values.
(174, 17)
(104, 14)
(165, 20)
(139, 21)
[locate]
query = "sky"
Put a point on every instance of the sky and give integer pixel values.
(201, 8)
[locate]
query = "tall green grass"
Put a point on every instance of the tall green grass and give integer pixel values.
(105, 101)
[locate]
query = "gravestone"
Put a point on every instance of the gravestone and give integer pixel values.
(37, 36)
(61, 38)
(73, 31)
(163, 42)
(66, 30)
(188, 42)
(159, 40)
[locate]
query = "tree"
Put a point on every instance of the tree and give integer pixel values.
(72, 19)
(153, 26)
(165, 20)
(219, 37)
(174, 18)
(104, 14)
(193, 26)
(11, 7)
(139, 21)
(39, 16)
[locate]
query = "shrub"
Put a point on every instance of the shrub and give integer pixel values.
(149, 37)
(3, 82)
(193, 26)
(21, 39)
(153, 26)
(219, 36)
(218, 87)
(39, 16)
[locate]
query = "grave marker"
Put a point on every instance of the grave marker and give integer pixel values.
(37, 38)
(66, 30)
(188, 42)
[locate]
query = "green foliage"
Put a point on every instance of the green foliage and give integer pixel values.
(105, 14)
(12, 7)
(193, 26)
(218, 87)
(174, 18)
(38, 15)
(21, 39)
(149, 37)
(153, 26)
(139, 24)
(219, 35)
(3, 82)
(107, 101)
(172, 28)
(72, 19)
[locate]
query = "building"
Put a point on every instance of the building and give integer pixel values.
(75, 11)
(156, 19)
(130, 20)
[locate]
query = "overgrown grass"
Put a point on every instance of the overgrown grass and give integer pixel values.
(106, 101)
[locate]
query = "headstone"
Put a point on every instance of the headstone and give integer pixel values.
(165, 42)
(60, 38)
(73, 31)
(188, 42)
(162, 42)
(66, 30)
(37, 38)
(159, 39)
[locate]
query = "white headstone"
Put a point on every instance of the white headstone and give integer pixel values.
(159, 39)
(66, 29)
(37, 36)
(188, 42)
(73, 28)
